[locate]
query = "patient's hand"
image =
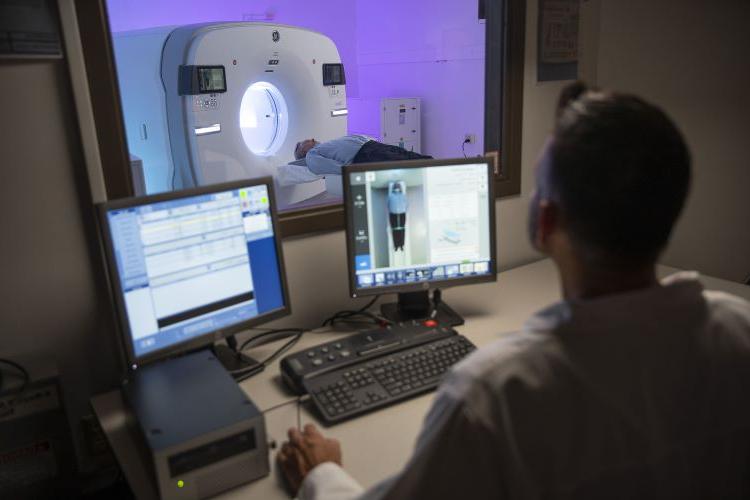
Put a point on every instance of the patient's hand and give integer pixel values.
(303, 452)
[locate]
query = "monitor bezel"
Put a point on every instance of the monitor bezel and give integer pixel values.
(417, 286)
(206, 339)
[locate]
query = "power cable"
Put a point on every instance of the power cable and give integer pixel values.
(24, 374)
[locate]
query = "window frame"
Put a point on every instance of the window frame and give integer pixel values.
(503, 102)
(504, 63)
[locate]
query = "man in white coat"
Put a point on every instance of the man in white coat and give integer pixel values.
(627, 388)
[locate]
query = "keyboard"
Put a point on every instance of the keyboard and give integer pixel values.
(379, 368)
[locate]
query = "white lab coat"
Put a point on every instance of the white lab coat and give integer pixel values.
(643, 394)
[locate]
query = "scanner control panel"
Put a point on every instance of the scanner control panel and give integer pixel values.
(356, 349)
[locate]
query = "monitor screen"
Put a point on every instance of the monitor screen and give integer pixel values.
(412, 227)
(212, 79)
(190, 266)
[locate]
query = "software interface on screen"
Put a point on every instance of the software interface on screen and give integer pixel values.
(194, 265)
(420, 224)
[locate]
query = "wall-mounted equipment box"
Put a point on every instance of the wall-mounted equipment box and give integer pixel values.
(400, 123)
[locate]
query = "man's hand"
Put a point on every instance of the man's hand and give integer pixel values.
(303, 452)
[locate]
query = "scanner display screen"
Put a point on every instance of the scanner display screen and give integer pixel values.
(211, 79)
(333, 74)
(412, 225)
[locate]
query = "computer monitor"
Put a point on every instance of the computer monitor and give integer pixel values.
(192, 267)
(419, 225)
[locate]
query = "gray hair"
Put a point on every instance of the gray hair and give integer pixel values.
(297, 154)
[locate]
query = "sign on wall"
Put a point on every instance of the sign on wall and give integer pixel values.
(29, 29)
(557, 52)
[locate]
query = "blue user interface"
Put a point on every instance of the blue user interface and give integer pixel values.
(423, 224)
(193, 265)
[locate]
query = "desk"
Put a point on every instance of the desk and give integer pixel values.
(376, 445)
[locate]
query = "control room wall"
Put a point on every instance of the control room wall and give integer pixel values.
(690, 57)
(426, 49)
(54, 298)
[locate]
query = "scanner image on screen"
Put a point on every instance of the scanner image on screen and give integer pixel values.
(194, 265)
(420, 224)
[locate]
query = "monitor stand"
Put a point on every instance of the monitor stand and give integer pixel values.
(239, 365)
(417, 306)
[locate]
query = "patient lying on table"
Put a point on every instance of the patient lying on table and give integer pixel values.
(329, 157)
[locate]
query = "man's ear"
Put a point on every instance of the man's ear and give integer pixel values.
(548, 222)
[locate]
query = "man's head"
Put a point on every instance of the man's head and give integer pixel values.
(611, 181)
(302, 147)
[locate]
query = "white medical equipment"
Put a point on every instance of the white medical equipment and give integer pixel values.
(213, 103)
(400, 123)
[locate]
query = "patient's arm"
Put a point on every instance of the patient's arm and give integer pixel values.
(321, 165)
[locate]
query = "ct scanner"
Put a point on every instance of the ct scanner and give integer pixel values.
(212, 103)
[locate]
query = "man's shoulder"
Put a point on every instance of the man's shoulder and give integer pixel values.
(724, 302)
(525, 358)
(729, 316)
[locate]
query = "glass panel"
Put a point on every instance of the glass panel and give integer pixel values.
(215, 92)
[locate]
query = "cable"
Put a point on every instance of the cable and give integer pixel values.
(276, 334)
(265, 329)
(271, 333)
(245, 373)
(272, 444)
(281, 350)
(463, 146)
(436, 300)
(302, 399)
(347, 316)
(24, 373)
(298, 400)
(362, 311)
(369, 304)
(285, 403)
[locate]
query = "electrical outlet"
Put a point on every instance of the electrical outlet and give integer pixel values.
(470, 138)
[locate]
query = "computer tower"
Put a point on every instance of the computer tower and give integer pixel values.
(203, 434)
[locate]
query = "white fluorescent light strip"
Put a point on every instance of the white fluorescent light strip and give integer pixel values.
(211, 129)
(339, 112)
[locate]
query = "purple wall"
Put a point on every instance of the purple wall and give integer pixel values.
(432, 49)
(428, 49)
(126, 15)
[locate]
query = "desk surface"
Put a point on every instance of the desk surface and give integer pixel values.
(379, 444)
